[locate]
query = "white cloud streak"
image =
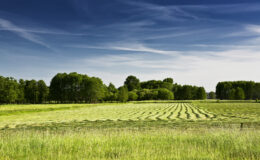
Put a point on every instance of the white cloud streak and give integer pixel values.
(164, 12)
(253, 28)
(9, 26)
(134, 47)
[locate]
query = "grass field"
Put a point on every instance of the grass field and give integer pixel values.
(147, 130)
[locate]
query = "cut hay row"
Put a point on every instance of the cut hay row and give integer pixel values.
(178, 111)
(167, 112)
(173, 112)
(192, 114)
(118, 112)
(205, 113)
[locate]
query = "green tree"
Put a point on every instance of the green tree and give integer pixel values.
(132, 83)
(93, 89)
(224, 89)
(239, 94)
(31, 92)
(186, 92)
(152, 84)
(20, 98)
(256, 93)
(167, 85)
(147, 94)
(57, 87)
(201, 93)
(8, 90)
(43, 91)
(112, 92)
(73, 81)
(212, 95)
(165, 94)
(122, 94)
(168, 80)
(111, 88)
(232, 94)
(132, 96)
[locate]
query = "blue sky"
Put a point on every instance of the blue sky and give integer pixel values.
(195, 42)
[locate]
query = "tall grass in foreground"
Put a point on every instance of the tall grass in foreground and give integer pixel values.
(212, 144)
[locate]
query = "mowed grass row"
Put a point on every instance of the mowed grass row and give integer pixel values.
(65, 113)
(161, 144)
(231, 111)
(103, 112)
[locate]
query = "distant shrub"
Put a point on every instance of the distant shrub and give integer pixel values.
(132, 96)
(165, 94)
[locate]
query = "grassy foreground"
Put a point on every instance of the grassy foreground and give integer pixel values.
(130, 144)
(195, 130)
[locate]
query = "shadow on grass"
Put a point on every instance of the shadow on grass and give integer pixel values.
(135, 125)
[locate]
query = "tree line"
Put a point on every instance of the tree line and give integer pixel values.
(23, 91)
(238, 90)
(80, 88)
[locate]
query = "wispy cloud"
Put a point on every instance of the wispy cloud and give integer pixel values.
(134, 47)
(9, 26)
(39, 31)
(163, 12)
(135, 61)
(253, 28)
(181, 61)
(217, 8)
(142, 48)
(226, 8)
(179, 12)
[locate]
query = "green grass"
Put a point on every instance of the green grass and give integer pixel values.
(146, 130)
(131, 144)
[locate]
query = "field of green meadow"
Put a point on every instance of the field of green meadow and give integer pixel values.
(134, 130)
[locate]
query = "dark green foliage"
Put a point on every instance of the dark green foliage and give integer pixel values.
(154, 84)
(201, 93)
(132, 96)
(20, 98)
(76, 87)
(132, 83)
(165, 94)
(188, 92)
(239, 94)
(232, 94)
(72, 86)
(111, 88)
(236, 89)
(256, 92)
(167, 85)
(43, 91)
(168, 80)
(147, 94)
(94, 90)
(23, 92)
(122, 94)
(31, 92)
(212, 95)
(184, 92)
(111, 93)
(9, 89)
(57, 88)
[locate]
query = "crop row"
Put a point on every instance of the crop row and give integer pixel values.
(174, 111)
